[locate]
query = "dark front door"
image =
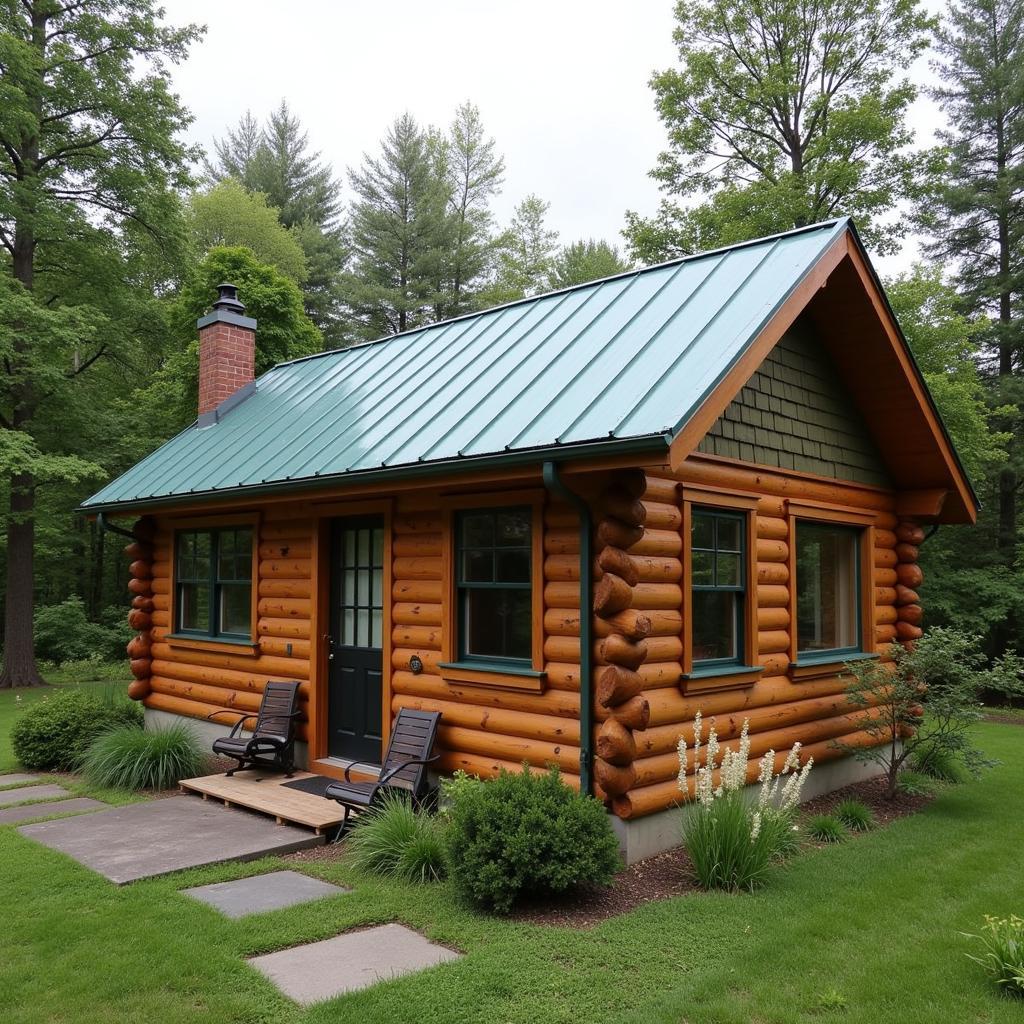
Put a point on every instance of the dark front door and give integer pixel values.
(355, 687)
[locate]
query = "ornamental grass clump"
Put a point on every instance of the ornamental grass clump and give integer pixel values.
(730, 837)
(855, 816)
(396, 840)
(827, 828)
(1002, 952)
(133, 758)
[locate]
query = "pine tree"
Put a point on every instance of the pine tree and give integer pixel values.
(528, 251)
(585, 261)
(398, 230)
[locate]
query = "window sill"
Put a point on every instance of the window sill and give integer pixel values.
(220, 645)
(828, 663)
(505, 677)
(720, 677)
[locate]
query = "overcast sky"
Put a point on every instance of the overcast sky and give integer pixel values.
(561, 85)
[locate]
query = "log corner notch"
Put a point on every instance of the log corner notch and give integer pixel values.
(624, 649)
(909, 615)
(140, 551)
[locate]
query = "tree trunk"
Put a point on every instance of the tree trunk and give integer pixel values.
(19, 668)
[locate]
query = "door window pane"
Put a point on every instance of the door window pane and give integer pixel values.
(827, 588)
(360, 550)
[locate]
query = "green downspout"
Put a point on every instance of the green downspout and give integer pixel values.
(554, 484)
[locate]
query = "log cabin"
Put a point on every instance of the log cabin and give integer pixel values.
(567, 524)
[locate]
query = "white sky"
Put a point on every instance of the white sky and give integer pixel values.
(561, 85)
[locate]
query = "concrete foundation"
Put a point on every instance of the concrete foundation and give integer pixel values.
(656, 833)
(207, 732)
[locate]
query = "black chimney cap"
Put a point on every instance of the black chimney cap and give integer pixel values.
(227, 298)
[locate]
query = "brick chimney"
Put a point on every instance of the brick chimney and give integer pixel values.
(227, 352)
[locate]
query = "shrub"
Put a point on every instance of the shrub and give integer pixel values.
(395, 839)
(826, 828)
(940, 765)
(54, 734)
(912, 783)
(731, 839)
(128, 757)
(525, 835)
(1002, 952)
(63, 632)
(855, 816)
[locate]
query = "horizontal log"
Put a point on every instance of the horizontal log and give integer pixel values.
(912, 613)
(451, 761)
(286, 568)
(139, 689)
(561, 703)
(772, 573)
(139, 646)
(654, 596)
(909, 575)
(772, 619)
(137, 550)
(285, 608)
(285, 588)
(885, 538)
(634, 713)
(139, 619)
(562, 541)
(508, 748)
(562, 622)
(416, 591)
(285, 548)
(616, 685)
(620, 650)
(885, 595)
(286, 530)
(416, 613)
(885, 615)
(657, 569)
(423, 568)
(904, 595)
(284, 648)
(618, 562)
(159, 618)
(772, 595)
(612, 595)
(617, 503)
(771, 507)
(547, 728)
(662, 515)
(772, 551)
(633, 481)
(907, 552)
(885, 578)
(886, 520)
(417, 545)
(645, 800)
(772, 528)
(143, 602)
(661, 488)
(287, 629)
(613, 533)
(140, 569)
(160, 586)
(562, 568)
(140, 668)
(401, 658)
(252, 681)
(772, 641)
(613, 779)
(563, 675)
(908, 631)
(885, 634)
(215, 696)
(615, 743)
(417, 522)
(660, 543)
(637, 624)
(910, 533)
(885, 558)
(428, 637)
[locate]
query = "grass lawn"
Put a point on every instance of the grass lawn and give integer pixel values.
(863, 932)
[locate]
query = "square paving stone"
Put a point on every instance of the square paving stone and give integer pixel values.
(15, 815)
(260, 893)
(348, 962)
(16, 796)
(144, 840)
(17, 778)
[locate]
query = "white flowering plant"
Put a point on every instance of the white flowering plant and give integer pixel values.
(730, 834)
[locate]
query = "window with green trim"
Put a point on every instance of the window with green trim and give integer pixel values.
(827, 588)
(213, 582)
(718, 586)
(493, 566)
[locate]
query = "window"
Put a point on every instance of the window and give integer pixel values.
(827, 588)
(493, 557)
(213, 582)
(718, 582)
(362, 585)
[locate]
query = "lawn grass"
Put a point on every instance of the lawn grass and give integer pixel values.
(863, 932)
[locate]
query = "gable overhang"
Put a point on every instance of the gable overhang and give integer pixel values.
(843, 298)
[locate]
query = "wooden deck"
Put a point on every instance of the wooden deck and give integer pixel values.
(264, 792)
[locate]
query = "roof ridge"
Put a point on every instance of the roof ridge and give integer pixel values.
(832, 223)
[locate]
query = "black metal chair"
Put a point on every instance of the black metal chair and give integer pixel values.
(272, 744)
(404, 767)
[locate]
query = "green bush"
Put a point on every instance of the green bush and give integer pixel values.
(396, 840)
(1002, 952)
(940, 765)
(128, 757)
(912, 783)
(525, 835)
(726, 851)
(855, 816)
(63, 632)
(54, 733)
(827, 828)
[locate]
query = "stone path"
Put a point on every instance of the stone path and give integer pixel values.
(260, 893)
(348, 962)
(17, 796)
(28, 812)
(125, 844)
(18, 778)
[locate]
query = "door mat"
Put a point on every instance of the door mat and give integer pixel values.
(316, 785)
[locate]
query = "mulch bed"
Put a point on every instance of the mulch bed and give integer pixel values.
(1007, 719)
(667, 874)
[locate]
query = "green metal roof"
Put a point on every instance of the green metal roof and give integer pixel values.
(614, 365)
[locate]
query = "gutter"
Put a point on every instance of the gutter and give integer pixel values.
(101, 520)
(553, 483)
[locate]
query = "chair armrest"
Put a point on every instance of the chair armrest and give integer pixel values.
(236, 728)
(357, 764)
(384, 779)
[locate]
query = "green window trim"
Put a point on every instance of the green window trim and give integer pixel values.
(491, 570)
(809, 656)
(717, 558)
(216, 562)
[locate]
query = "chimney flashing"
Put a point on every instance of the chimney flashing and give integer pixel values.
(215, 415)
(225, 316)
